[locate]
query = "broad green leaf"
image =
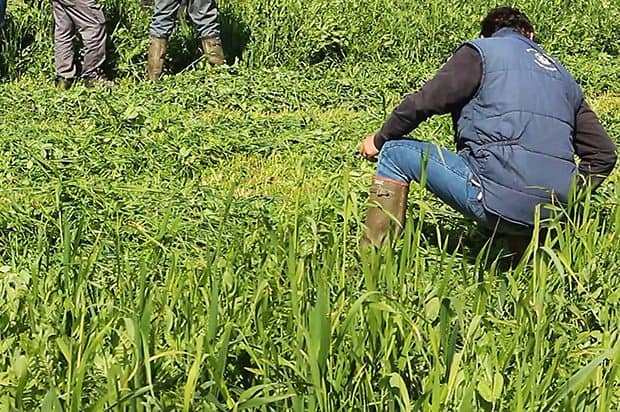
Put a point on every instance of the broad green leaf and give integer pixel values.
(432, 309)
(51, 403)
(397, 382)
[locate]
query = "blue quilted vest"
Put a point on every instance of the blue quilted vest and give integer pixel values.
(516, 133)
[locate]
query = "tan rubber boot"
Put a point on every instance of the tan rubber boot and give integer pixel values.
(157, 52)
(212, 47)
(388, 201)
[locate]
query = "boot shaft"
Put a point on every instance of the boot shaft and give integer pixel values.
(157, 53)
(386, 211)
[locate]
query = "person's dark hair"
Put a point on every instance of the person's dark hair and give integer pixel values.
(501, 17)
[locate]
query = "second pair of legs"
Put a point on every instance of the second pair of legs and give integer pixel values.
(203, 13)
(86, 18)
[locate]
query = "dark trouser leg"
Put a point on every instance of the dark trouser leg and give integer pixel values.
(64, 31)
(91, 25)
(517, 245)
(88, 18)
(2, 11)
(162, 24)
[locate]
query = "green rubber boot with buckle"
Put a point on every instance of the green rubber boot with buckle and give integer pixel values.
(212, 47)
(386, 211)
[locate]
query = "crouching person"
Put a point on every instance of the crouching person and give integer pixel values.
(86, 17)
(519, 119)
(203, 13)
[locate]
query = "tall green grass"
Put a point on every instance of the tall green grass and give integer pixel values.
(192, 244)
(188, 253)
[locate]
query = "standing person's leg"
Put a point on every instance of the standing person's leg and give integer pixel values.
(203, 14)
(162, 24)
(64, 54)
(445, 173)
(90, 22)
(2, 12)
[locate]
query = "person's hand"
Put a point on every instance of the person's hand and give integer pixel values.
(368, 149)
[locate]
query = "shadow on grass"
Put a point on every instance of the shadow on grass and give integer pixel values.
(468, 239)
(15, 36)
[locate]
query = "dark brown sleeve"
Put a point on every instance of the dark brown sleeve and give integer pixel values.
(451, 88)
(593, 146)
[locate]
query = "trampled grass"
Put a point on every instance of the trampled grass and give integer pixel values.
(192, 244)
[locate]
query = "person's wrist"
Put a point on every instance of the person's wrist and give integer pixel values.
(379, 140)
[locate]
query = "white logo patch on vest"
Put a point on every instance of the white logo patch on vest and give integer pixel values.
(542, 60)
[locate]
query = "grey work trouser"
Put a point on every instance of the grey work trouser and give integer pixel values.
(203, 13)
(85, 16)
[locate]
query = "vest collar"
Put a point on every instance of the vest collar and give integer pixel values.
(510, 32)
(507, 32)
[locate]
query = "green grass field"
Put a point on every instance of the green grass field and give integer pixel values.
(192, 244)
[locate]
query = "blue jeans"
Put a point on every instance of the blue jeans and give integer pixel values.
(447, 176)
